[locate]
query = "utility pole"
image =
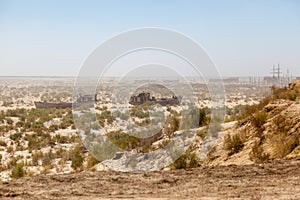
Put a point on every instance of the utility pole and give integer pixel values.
(278, 71)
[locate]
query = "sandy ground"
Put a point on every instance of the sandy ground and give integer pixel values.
(275, 180)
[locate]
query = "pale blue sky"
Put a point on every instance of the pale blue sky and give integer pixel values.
(55, 37)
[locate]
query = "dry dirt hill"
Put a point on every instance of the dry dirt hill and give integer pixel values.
(268, 131)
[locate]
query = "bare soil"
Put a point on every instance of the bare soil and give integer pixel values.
(274, 180)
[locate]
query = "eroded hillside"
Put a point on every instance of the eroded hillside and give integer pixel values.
(264, 132)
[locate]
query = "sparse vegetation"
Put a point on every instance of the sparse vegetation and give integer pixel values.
(91, 161)
(53, 147)
(15, 136)
(171, 126)
(282, 124)
(9, 149)
(258, 119)
(283, 144)
(105, 116)
(284, 93)
(233, 143)
(7, 103)
(36, 156)
(249, 111)
(3, 143)
(257, 153)
(77, 158)
(47, 158)
(140, 111)
(122, 140)
(18, 171)
(188, 160)
(202, 133)
(203, 120)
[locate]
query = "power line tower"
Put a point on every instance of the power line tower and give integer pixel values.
(276, 72)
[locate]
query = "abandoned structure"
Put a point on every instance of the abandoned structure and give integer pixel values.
(61, 105)
(146, 97)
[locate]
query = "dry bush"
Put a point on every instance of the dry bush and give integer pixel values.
(3, 143)
(185, 161)
(91, 161)
(257, 153)
(258, 119)
(253, 109)
(47, 158)
(283, 144)
(202, 133)
(36, 156)
(233, 143)
(284, 93)
(46, 169)
(282, 124)
(203, 119)
(171, 126)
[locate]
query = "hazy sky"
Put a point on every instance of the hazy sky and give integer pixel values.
(55, 37)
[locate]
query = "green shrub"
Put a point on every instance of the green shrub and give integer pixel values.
(105, 115)
(15, 136)
(9, 121)
(233, 143)
(17, 171)
(123, 140)
(53, 128)
(38, 140)
(61, 139)
(2, 143)
(77, 158)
